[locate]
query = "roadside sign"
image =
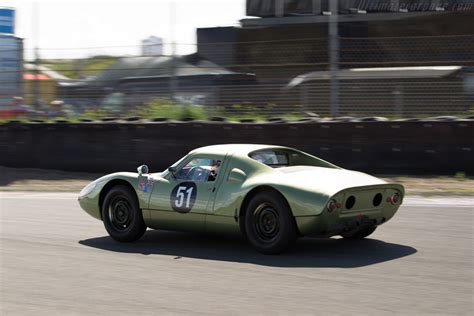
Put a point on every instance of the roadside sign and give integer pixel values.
(7, 21)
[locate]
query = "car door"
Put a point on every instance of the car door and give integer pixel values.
(181, 199)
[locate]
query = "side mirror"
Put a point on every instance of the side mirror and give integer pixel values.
(236, 176)
(172, 170)
(143, 169)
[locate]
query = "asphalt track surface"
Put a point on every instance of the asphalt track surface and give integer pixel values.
(55, 259)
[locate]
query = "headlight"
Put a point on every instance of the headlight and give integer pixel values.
(88, 189)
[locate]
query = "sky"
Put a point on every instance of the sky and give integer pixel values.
(77, 29)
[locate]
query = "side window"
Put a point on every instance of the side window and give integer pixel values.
(199, 170)
(271, 158)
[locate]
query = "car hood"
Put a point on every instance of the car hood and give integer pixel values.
(328, 181)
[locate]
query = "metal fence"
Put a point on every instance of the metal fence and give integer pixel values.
(395, 77)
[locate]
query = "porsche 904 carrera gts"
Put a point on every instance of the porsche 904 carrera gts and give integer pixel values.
(270, 194)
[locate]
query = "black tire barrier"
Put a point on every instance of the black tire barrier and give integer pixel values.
(390, 147)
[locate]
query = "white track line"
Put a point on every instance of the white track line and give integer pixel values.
(462, 201)
(38, 195)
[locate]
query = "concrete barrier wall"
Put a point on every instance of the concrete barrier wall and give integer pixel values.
(429, 147)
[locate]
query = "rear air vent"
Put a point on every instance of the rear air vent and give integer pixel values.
(377, 199)
(350, 202)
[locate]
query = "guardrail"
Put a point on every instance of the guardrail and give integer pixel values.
(383, 147)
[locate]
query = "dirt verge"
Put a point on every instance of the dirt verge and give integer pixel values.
(13, 179)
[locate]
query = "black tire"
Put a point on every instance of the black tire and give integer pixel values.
(121, 215)
(269, 223)
(359, 234)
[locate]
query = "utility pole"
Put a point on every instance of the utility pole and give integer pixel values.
(35, 86)
(172, 81)
(334, 55)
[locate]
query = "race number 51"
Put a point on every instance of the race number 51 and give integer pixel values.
(183, 197)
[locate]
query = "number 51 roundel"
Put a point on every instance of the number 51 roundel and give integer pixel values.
(183, 197)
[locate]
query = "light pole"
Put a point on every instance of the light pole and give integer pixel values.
(334, 55)
(172, 81)
(36, 86)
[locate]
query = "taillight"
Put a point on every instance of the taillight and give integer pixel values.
(332, 205)
(394, 199)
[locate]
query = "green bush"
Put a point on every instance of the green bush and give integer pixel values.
(171, 110)
(94, 113)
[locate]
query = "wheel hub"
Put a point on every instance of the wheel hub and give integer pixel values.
(119, 214)
(266, 221)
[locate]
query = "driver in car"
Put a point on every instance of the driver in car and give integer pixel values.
(198, 171)
(213, 170)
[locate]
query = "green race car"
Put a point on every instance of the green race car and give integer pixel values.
(271, 194)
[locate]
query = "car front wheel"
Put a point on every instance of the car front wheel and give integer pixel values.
(121, 215)
(269, 223)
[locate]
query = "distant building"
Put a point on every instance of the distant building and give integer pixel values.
(141, 79)
(11, 68)
(46, 88)
(398, 90)
(152, 46)
(281, 39)
(11, 58)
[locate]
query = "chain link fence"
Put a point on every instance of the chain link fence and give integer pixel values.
(394, 77)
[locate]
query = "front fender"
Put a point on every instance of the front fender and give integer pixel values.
(141, 185)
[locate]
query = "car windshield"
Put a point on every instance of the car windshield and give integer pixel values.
(166, 172)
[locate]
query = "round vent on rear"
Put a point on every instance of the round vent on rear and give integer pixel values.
(350, 202)
(377, 199)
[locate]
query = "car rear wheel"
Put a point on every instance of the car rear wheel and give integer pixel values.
(269, 224)
(359, 234)
(121, 215)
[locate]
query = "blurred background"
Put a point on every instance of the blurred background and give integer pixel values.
(268, 65)
(274, 58)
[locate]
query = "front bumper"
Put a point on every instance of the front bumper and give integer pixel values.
(91, 206)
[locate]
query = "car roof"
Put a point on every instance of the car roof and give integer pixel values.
(240, 149)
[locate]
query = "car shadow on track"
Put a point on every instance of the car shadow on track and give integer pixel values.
(308, 252)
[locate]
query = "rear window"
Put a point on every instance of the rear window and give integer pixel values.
(271, 158)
